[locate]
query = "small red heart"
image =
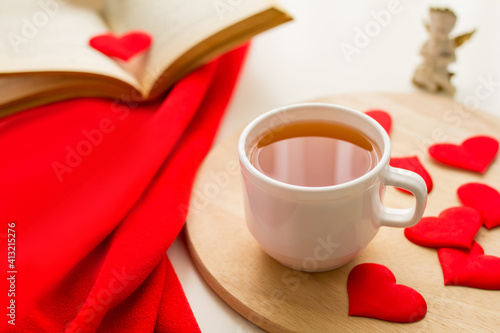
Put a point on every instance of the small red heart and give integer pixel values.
(455, 227)
(412, 163)
(373, 293)
(470, 268)
(382, 117)
(473, 154)
(483, 198)
(124, 47)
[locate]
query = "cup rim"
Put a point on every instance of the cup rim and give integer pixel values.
(244, 160)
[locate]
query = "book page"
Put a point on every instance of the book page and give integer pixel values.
(53, 36)
(176, 25)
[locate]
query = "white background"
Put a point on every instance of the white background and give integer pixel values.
(302, 60)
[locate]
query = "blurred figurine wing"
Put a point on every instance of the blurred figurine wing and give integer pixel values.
(459, 40)
(427, 26)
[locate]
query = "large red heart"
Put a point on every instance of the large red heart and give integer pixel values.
(382, 117)
(470, 268)
(373, 293)
(473, 154)
(123, 47)
(412, 163)
(455, 227)
(484, 199)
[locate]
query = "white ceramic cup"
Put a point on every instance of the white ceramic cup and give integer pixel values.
(322, 228)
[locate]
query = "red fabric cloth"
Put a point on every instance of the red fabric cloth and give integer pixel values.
(98, 191)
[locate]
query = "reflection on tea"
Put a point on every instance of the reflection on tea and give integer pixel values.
(314, 153)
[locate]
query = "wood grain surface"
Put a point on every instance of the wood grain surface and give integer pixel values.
(280, 299)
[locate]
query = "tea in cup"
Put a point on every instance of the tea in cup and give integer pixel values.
(313, 177)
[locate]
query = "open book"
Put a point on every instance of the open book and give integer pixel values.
(45, 54)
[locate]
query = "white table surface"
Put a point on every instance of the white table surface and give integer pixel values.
(302, 60)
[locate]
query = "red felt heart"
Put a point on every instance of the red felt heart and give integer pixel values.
(124, 47)
(484, 199)
(412, 163)
(473, 154)
(373, 293)
(455, 227)
(470, 268)
(382, 117)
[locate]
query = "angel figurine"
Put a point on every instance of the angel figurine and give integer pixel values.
(438, 52)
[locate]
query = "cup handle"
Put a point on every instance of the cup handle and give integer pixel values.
(410, 181)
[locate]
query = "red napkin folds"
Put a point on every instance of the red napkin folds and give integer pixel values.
(98, 191)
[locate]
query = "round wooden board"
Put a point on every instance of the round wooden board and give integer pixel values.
(280, 299)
